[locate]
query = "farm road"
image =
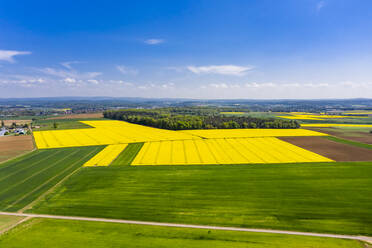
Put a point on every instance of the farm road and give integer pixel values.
(339, 236)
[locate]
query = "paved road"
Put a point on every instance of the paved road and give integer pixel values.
(339, 236)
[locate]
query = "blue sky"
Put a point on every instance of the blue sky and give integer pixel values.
(196, 49)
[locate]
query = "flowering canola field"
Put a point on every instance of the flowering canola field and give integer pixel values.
(334, 125)
(251, 133)
(165, 147)
(317, 117)
(105, 133)
(224, 151)
(106, 156)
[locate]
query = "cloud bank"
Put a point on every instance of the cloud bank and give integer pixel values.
(232, 70)
(8, 55)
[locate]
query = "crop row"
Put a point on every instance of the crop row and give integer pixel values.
(23, 180)
(224, 151)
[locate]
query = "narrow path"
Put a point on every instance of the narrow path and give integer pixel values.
(325, 235)
(14, 225)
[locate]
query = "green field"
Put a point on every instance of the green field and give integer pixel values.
(319, 197)
(127, 156)
(61, 124)
(67, 233)
(7, 221)
(348, 142)
(24, 179)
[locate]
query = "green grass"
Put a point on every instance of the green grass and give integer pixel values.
(127, 156)
(67, 233)
(7, 221)
(348, 142)
(24, 179)
(319, 197)
(61, 124)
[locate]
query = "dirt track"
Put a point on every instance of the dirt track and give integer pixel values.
(331, 149)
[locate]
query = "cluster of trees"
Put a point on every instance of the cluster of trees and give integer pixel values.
(160, 118)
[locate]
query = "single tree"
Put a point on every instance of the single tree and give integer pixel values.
(55, 125)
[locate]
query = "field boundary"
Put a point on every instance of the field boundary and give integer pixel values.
(127, 156)
(348, 142)
(148, 223)
(20, 155)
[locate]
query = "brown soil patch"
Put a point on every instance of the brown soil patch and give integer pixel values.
(78, 116)
(354, 136)
(331, 149)
(11, 146)
(18, 122)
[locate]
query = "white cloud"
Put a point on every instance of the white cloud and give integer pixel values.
(126, 70)
(69, 80)
(219, 86)
(320, 5)
(167, 86)
(68, 64)
(68, 73)
(232, 70)
(154, 41)
(7, 55)
(93, 81)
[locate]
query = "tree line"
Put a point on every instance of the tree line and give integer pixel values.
(165, 119)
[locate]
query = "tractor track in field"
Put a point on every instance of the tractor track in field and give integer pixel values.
(149, 223)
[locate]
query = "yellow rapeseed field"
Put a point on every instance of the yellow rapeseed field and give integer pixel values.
(106, 156)
(224, 151)
(105, 133)
(334, 125)
(250, 133)
(317, 117)
(165, 147)
(358, 113)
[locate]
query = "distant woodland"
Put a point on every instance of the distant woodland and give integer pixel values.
(193, 118)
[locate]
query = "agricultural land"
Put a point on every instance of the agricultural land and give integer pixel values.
(93, 182)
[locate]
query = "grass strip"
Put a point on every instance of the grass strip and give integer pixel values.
(348, 142)
(70, 233)
(127, 156)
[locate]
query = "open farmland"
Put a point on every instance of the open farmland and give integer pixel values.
(317, 117)
(67, 233)
(334, 125)
(128, 155)
(251, 133)
(8, 123)
(105, 133)
(224, 151)
(165, 147)
(106, 156)
(62, 124)
(318, 197)
(8, 221)
(24, 179)
(12, 146)
(78, 116)
(332, 148)
(357, 134)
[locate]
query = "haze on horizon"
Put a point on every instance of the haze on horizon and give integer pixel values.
(193, 49)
